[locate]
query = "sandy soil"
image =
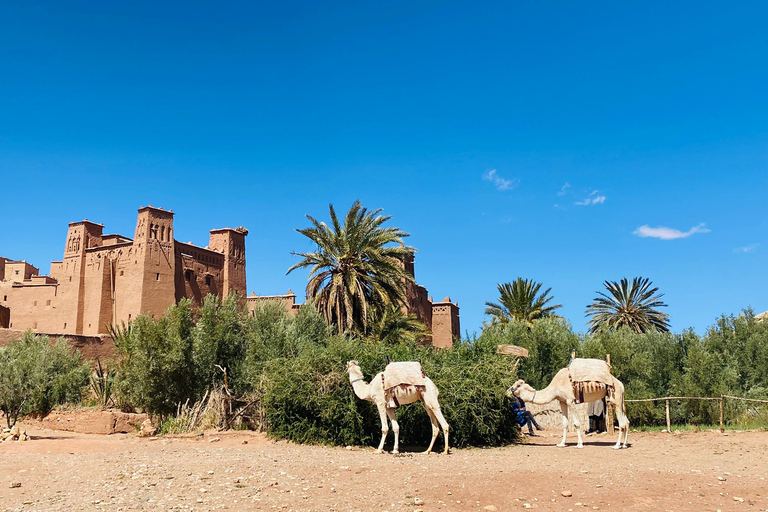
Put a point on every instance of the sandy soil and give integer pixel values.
(245, 471)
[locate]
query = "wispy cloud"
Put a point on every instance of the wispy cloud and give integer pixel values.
(564, 189)
(665, 233)
(746, 248)
(593, 198)
(500, 183)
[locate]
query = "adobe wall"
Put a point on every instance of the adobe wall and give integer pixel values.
(5, 317)
(418, 303)
(201, 272)
(31, 306)
(91, 347)
(287, 301)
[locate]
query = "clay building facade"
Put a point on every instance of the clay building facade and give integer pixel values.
(109, 279)
(105, 279)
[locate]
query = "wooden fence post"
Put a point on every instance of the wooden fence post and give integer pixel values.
(722, 425)
(669, 423)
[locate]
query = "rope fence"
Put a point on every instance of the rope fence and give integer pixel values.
(720, 399)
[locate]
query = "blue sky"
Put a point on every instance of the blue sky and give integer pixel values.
(533, 139)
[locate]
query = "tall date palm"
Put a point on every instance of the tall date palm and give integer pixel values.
(357, 270)
(628, 305)
(521, 300)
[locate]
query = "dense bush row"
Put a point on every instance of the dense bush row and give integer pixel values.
(291, 370)
(295, 369)
(729, 359)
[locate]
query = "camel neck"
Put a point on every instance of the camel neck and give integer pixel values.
(359, 385)
(542, 396)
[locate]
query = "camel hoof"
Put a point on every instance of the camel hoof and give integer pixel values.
(379, 451)
(395, 452)
(561, 445)
(617, 447)
(579, 446)
(427, 452)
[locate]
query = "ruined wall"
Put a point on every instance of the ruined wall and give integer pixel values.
(91, 347)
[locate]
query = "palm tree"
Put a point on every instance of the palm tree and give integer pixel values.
(357, 270)
(395, 325)
(521, 300)
(628, 305)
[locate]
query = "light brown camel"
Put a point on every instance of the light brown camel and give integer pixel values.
(374, 392)
(561, 389)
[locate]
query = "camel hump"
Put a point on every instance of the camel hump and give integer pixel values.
(590, 370)
(405, 372)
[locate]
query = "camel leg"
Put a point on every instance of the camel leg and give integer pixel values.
(431, 403)
(435, 429)
(395, 429)
(384, 427)
(564, 412)
(577, 425)
(623, 426)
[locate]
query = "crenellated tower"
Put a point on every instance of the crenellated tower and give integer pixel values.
(152, 287)
(231, 242)
(80, 236)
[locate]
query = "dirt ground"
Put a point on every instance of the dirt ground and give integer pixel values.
(701, 471)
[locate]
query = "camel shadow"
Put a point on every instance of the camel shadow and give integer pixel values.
(573, 444)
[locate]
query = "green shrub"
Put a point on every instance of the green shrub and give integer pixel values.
(156, 369)
(308, 398)
(35, 376)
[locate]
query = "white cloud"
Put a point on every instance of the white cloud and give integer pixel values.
(747, 248)
(564, 189)
(500, 183)
(593, 198)
(665, 233)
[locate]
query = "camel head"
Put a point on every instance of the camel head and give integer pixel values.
(354, 371)
(513, 391)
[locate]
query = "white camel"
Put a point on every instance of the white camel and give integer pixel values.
(561, 389)
(374, 392)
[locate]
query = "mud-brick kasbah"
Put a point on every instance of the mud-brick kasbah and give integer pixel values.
(106, 279)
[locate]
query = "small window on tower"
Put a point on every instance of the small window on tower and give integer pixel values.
(48, 302)
(188, 275)
(121, 272)
(157, 276)
(208, 281)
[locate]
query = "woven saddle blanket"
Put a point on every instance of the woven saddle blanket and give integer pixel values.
(407, 372)
(590, 375)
